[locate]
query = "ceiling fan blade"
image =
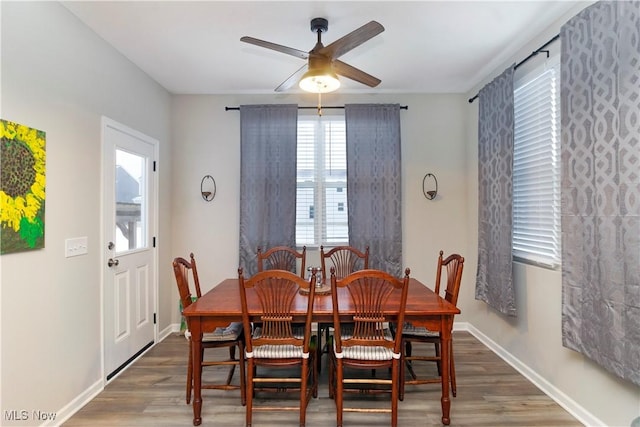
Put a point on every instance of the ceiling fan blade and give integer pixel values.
(284, 49)
(353, 73)
(352, 40)
(293, 79)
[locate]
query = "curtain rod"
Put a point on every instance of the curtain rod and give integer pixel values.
(534, 53)
(402, 107)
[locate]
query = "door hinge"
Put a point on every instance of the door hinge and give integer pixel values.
(154, 318)
(154, 241)
(154, 165)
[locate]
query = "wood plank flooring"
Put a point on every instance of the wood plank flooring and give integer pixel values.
(151, 392)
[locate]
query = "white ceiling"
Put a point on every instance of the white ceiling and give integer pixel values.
(194, 47)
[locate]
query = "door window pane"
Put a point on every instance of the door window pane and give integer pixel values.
(130, 201)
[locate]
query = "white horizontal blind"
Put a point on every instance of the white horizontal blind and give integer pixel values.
(536, 170)
(321, 204)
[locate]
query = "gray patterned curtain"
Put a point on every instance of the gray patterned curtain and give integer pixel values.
(373, 183)
(494, 283)
(268, 141)
(600, 92)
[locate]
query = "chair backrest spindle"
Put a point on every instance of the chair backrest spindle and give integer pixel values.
(453, 265)
(372, 293)
(344, 260)
(276, 291)
(183, 270)
(282, 258)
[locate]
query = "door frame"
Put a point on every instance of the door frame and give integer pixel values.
(104, 123)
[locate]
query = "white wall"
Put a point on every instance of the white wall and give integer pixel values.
(60, 77)
(208, 142)
(533, 341)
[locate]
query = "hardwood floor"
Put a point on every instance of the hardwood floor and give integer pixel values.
(490, 393)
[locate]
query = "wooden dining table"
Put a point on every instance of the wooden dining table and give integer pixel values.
(221, 306)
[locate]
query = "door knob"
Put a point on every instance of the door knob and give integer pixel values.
(113, 262)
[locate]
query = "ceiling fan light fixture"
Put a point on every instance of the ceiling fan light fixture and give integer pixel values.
(319, 81)
(323, 67)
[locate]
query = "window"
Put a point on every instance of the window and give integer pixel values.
(321, 203)
(536, 170)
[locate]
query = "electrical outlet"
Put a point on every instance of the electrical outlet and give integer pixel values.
(75, 246)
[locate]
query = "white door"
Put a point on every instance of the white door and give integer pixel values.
(129, 221)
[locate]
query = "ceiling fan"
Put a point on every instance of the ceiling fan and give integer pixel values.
(318, 75)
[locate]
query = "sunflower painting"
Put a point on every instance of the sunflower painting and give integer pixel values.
(22, 187)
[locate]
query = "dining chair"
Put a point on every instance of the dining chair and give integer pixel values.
(230, 337)
(282, 258)
(344, 260)
(277, 342)
(452, 267)
(366, 343)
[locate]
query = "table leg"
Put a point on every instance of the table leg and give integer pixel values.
(319, 349)
(196, 352)
(445, 363)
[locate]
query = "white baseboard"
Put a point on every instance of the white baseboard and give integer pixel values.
(74, 406)
(571, 406)
(85, 397)
(173, 327)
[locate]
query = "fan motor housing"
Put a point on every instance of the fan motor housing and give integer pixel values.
(319, 25)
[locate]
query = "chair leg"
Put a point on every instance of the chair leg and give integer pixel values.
(394, 392)
(408, 349)
(327, 335)
(332, 377)
(232, 370)
(232, 356)
(318, 355)
(439, 362)
(401, 374)
(243, 375)
(250, 391)
(315, 373)
(322, 348)
(452, 370)
(339, 392)
(254, 369)
(304, 375)
(189, 375)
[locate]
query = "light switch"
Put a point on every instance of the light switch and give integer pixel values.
(75, 246)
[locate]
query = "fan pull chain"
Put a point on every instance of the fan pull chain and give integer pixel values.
(319, 104)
